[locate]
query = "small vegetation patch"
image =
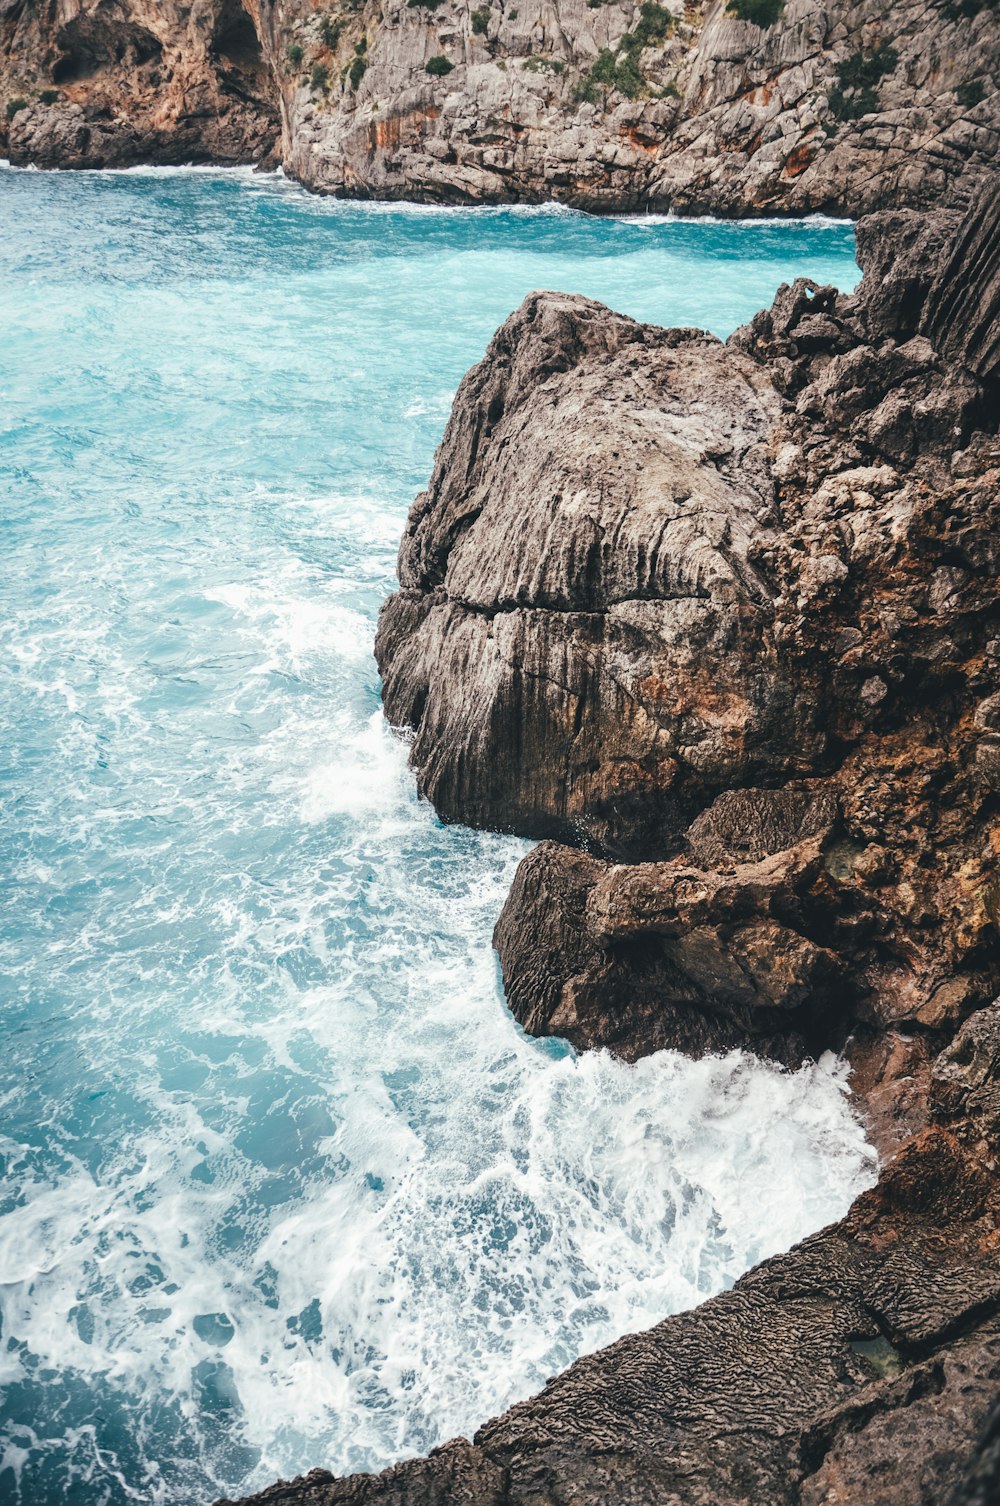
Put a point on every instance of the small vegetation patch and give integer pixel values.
(609, 72)
(438, 66)
(14, 105)
(50, 96)
(762, 13)
(329, 30)
(542, 64)
(424, 4)
(294, 53)
(971, 93)
(320, 77)
(356, 72)
(619, 69)
(654, 23)
(480, 21)
(858, 77)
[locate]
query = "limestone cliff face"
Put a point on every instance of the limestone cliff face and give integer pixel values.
(616, 105)
(119, 82)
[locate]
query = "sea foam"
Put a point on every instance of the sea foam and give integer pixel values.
(281, 1181)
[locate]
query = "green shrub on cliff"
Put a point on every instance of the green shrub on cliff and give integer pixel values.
(858, 77)
(50, 96)
(541, 64)
(654, 23)
(423, 4)
(480, 21)
(320, 77)
(438, 66)
(13, 105)
(356, 72)
(294, 54)
(619, 70)
(330, 29)
(762, 13)
(610, 72)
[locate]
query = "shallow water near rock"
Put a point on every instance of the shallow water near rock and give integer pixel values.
(283, 1184)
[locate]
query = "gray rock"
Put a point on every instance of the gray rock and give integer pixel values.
(712, 115)
(585, 548)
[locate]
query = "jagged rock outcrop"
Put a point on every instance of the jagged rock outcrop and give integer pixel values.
(839, 534)
(582, 553)
(731, 608)
(617, 105)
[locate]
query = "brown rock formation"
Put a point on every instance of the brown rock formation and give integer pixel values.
(616, 105)
(121, 82)
(732, 609)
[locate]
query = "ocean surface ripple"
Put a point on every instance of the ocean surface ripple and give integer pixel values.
(281, 1182)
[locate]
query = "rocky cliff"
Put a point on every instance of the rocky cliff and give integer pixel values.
(723, 621)
(719, 619)
(758, 105)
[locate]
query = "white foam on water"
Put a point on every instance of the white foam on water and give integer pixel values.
(475, 1209)
(282, 1183)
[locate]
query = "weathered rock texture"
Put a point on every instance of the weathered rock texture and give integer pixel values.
(732, 610)
(842, 107)
(127, 81)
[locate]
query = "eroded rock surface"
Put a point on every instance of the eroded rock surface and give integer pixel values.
(617, 105)
(725, 616)
(119, 82)
(582, 556)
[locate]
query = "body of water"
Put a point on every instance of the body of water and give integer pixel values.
(281, 1182)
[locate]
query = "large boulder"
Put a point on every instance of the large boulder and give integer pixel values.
(581, 639)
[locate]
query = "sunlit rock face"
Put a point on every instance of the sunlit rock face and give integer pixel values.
(840, 108)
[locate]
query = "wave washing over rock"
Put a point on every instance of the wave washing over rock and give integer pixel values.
(787, 105)
(732, 610)
(281, 1180)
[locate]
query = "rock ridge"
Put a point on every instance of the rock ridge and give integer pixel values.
(605, 105)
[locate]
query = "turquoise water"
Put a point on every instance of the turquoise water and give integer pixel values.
(282, 1183)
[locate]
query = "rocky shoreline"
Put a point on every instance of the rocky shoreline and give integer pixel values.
(719, 623)
(739, 108)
